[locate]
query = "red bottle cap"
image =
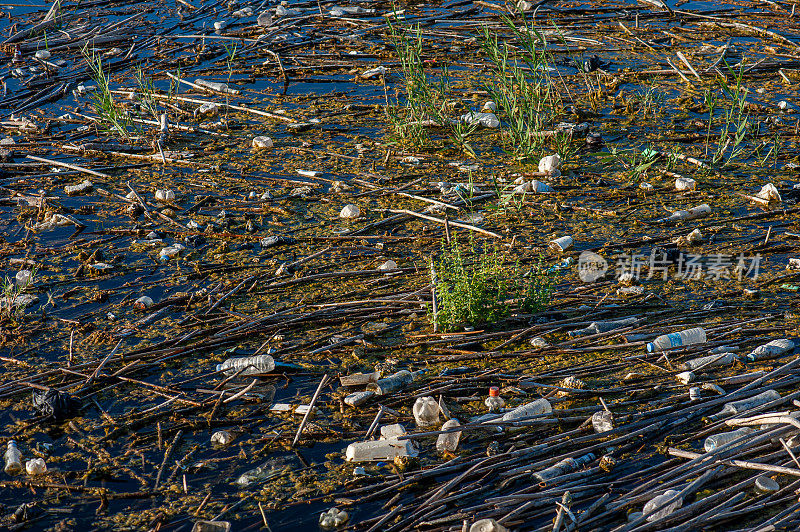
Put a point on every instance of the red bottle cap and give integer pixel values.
(494, 391)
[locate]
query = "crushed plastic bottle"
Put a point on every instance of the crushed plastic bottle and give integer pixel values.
(696, 335)
(718, 440)
(253, 365)
(597, 327)
(603, 421)
(449, 440)
(534, 408)
(221, 438)
(23, 278)
(773, 349)
(170, 252)
(263, 142)
(164, 195)
(657, 501)
(732, 408)
(373, 451)
(333, 518)
(723, 359)
(494, 402)
(350, 212)
(691, 214)
(563, 467)
(392, 383)
(13, 458)
(36, 466)
(426, 412)
(489, 120)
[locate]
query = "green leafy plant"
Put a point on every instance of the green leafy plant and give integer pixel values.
(473, 286)
(427, 99)
(114, 120)
(520, 85)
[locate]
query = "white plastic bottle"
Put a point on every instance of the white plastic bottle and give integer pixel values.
(449, 440)
(773, 349)
(563, 467)
(735, 407)
(494, 402)
(534, 408)
(657, 501)
(696, 335)
(426, 412)
(13, 459)
(253, 365)
(718, 440)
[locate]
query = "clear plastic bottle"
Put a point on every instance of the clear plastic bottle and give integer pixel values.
(449, 440)
(13, 459)
(565, 466)
(723, 359)
(253, 365)
(494, 402)
(718, 440)
(373, 451)
(603, 421)
(773, 349)
(597, 327)
(392, 383)
(657, 501)
(426, 412)
(735, 407)
(696, 335)
(534, 408)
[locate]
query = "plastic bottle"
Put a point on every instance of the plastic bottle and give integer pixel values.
(426, 411)
(696, 335)
(253, 365)
(13, 459)
(724, 359)
(655, 502)
(358, 398)
(448, 441)
(773, 349)
(602, 421)
(735, 407)
(392, 383)
(597, 327)
(565, 466)
(494, 402)
(534, 408)
(718, 440)
(36, 467)
(373, 451)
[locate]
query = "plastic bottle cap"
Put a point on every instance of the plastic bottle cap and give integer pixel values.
(494, 391)
(219, 367)
(650, 347)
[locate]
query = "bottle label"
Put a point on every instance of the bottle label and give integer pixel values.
(675, 339)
